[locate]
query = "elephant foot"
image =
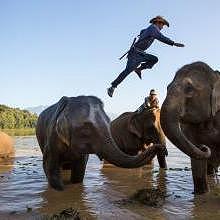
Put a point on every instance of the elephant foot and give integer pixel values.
(77, 175)
(161, 157)
(200, 186)
(78, 169)
(163, 165)
(77, 178)
(199, 172)
(211, 170)
(55, 183)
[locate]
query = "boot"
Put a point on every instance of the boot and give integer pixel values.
(138, 71)
(110, 91)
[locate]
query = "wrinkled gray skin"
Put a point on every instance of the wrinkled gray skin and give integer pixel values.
(190, 118)
(132, 131)
(73, 128)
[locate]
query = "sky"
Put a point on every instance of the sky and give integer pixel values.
(51, 48)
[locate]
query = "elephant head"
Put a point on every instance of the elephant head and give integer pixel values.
(82, 125)
(192, 97)
(145, 124)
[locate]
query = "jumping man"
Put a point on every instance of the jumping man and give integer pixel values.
(138, 60)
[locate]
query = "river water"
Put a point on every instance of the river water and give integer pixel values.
(24, 192)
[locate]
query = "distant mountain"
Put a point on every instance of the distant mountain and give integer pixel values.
(37, 109)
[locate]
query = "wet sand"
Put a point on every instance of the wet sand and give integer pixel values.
(24, 192)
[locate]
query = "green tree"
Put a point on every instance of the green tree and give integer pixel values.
(16, 118)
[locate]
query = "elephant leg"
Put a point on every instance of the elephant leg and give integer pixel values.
(52, 170)
(162, 160)
(199, 172)
(78, 169)
(211, 170)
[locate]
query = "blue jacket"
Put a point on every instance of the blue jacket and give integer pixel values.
(148, 35)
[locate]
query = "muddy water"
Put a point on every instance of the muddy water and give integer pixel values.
(24, 192)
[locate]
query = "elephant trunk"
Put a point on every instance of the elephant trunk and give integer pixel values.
(170, 122)
(114, 155)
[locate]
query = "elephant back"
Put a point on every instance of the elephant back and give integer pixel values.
(121, 121)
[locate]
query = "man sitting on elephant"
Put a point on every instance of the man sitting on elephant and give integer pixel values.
(150, 102)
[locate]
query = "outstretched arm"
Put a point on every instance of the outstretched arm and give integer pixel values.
(159, 36)
(163, 39)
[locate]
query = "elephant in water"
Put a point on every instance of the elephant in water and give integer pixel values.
(133, 131)
(6, 146)
(75, 127)
(190, 118)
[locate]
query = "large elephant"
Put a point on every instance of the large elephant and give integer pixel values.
(190, 118)
(133, 131)
(6, 146)
(73, 128)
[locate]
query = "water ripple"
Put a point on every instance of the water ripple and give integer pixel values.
(23, 184)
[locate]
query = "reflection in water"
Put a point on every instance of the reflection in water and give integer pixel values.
(6, 165)
(72, 196)
(23, 185)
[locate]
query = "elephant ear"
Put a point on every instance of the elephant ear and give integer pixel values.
(215, 99)
(60, 107)
(133, 126)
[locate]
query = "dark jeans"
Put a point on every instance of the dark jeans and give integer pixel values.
(135, 58)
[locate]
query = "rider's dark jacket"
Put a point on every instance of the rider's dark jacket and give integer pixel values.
(148, 35)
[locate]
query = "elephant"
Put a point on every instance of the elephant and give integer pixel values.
(190, 118)
(73, 128)
(133, 131)
(6, 146)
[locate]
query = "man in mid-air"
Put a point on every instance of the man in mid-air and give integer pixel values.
(138, 60)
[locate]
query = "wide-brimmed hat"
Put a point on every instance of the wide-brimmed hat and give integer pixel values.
(159, 19)
(153, 92)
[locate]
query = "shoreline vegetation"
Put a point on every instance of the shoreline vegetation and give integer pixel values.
(11, 118)
(19, 131)
(17, 122)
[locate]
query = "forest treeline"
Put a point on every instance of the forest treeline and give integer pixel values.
(16, 118)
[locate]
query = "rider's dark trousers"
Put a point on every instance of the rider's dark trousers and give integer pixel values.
(135, 58)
